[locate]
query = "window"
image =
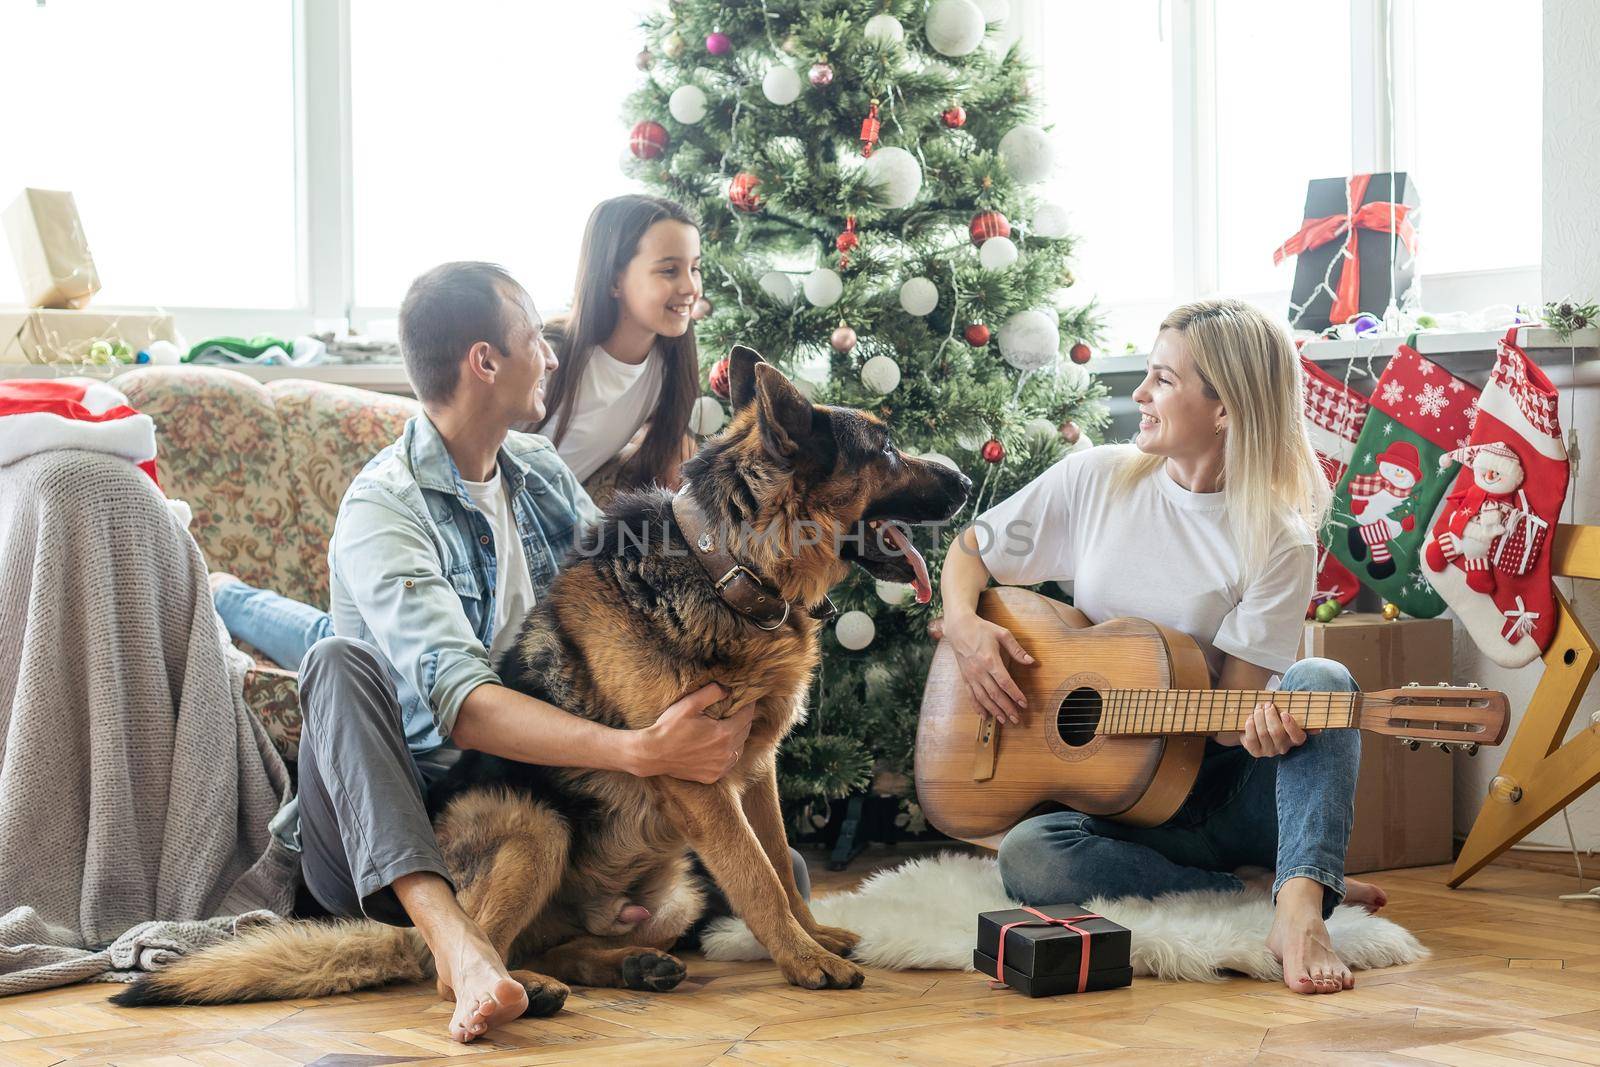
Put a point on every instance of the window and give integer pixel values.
(483, 130)
(173, 124)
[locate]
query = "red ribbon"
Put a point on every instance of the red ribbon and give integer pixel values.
(1045, 920)
(1380, 216)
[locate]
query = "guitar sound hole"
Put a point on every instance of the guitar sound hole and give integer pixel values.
(1079, 716)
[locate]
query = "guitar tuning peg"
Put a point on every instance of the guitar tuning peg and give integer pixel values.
(1410, 742)
(1442, 746)
(1471, 748)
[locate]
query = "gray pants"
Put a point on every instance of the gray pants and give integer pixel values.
(363, 818)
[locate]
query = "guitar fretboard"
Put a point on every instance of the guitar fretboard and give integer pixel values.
(1206, 711)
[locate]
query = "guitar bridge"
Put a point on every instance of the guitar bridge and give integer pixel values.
(984, 749)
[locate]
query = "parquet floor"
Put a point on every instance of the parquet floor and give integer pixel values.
(1515, 978)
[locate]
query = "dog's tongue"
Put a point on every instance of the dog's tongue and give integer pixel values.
(897, 538)
(632, 914)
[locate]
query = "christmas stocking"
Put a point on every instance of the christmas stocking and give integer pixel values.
(1334, 414)
(1382, 506)
(1486, 553)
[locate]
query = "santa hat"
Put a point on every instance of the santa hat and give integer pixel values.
(1403, 454)
(40, 415)
(1467, 453)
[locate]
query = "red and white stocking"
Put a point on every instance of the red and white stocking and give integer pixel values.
(1334, 414)
(1488, 551)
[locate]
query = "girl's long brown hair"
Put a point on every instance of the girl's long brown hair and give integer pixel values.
(610, 241)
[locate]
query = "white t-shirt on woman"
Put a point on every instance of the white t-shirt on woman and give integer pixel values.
(1157, 552)
(614, 400)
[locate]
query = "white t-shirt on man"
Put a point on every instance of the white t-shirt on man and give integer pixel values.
(1157, 552)
(614, 400)
(513, 585)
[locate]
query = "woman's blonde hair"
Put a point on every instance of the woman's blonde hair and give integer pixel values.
(1271, 476)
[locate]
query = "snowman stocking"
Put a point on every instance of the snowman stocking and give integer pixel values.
(1334, 414)
(1486, 553)
(1385, 501)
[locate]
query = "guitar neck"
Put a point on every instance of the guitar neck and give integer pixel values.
(1206, 711)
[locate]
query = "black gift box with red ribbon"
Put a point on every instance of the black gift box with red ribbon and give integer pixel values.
(1354, 230)
(1041, 951)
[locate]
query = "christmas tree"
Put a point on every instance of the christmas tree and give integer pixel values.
(866, 176)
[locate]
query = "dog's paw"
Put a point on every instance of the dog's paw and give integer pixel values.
(835, 939)
(826, 971)
(650, 970)
(546, 996)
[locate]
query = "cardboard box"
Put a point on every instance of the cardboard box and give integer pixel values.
(1403, 798)
(52, 254)
(1044, 959)
(41, 335)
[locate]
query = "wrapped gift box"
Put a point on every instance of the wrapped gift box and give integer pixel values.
(1324, 233)
(41, 335)
(1043, 959)
(1403, 798)
(52, 254)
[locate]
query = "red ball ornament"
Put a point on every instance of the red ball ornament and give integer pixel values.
(719, 378)
(954, 116)
(821, 75)
(977, 335)
(993, 451)
(644, 60)
(719, 44)
(847, 241)
(742, 192)
(843, 339)
(987, 224)
(648, 140)
(1079, 352)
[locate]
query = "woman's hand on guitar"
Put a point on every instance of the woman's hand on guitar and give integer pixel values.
(977, 643)
(1267, 732)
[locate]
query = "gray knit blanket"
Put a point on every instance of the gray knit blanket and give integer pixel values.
(135, 785)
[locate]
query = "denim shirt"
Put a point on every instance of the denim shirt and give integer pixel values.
(412, 564)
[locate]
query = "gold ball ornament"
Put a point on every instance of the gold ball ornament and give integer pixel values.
(1391, 612)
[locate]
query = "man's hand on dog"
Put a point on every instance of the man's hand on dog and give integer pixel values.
(686, 743)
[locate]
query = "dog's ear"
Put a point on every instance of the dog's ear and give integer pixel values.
(742, 363)
(783, 412)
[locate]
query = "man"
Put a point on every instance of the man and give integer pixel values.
(441, 545)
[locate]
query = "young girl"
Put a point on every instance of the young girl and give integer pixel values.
(618, 406)
(1203, 524)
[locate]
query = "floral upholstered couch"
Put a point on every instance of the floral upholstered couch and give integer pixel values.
(264, 468)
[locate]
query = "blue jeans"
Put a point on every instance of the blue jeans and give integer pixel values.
(284, 629)
(1290, 814)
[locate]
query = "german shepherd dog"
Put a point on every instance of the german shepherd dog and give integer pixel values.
(559, 865)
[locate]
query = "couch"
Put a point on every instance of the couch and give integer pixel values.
(264, 467)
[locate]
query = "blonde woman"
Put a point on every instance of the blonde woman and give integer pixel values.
(1204, 524)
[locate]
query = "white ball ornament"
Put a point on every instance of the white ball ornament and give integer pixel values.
(884, 29)
(894, 593)
(897, 175)
(998, 253)
(919, 296)
(781, 85)
(687, 104)
(1027, 153)
(1029, 340)
(1040, 430)
(1050, 220)
(707, 416)
(954, 27)
(778, 285)
(823, 287)
(855, 630)
(881, 374)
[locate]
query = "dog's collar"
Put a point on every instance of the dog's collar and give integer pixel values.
(739, 587)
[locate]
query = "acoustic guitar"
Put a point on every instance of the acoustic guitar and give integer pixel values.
(1117, 718)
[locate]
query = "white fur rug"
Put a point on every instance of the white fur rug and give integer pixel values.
(924, 914)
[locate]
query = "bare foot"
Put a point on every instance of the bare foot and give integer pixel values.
(1299, 939)
(1364, 895)
(486, 996)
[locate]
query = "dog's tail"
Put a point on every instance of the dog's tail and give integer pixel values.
(286, 961)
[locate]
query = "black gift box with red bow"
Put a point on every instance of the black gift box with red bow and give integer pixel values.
(1358, 235)
(1041, 950)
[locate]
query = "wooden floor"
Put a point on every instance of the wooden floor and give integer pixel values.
(1515, 978)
